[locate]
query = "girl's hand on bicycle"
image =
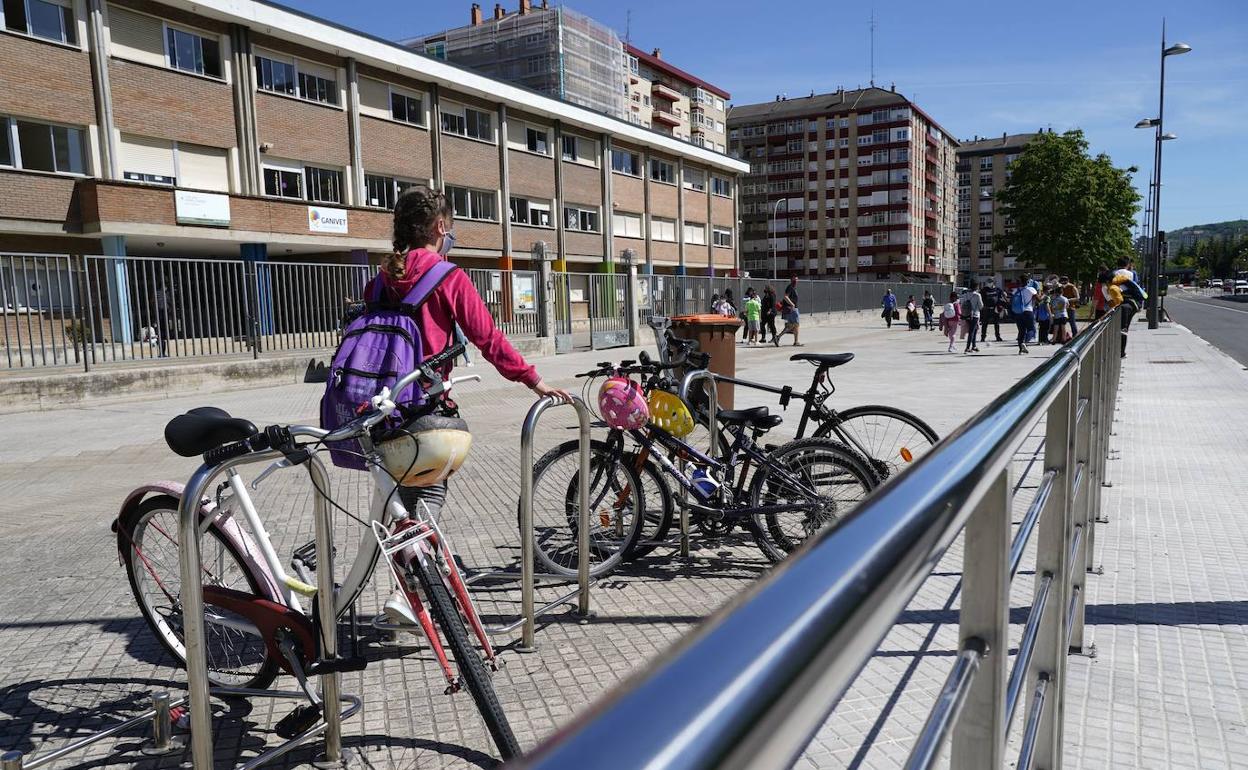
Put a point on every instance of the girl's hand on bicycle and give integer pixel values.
(560, 396)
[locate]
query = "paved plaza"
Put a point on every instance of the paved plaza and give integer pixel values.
(1167, 616)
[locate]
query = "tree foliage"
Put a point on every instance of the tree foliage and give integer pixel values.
(1070, 211)
(1215, 257)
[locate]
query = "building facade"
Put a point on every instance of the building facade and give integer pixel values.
(983, 170)
(220, 128)
(673, 102)
(857, 184)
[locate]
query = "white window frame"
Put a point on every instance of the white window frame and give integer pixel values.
(533, 204)
(650, 168)
(638, 169)
(658, 224)
(294, 61)
(620, 220)
(287, 166)
(165, 26)
(461, 111)
(471, 215)
(398, 184)
(581, 211)
(15, 148)
(342, 185)
(73, 10)
(583, 158)
(698, 230)
(409, 94)
(694, 184)
(717, 181)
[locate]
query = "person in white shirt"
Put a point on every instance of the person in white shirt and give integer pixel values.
(1023, 306)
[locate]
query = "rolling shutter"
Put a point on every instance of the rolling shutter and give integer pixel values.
(136, 36)
(141, 155)
(203, 168)
(374, 98)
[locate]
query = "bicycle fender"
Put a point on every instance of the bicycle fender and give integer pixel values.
(225, 525)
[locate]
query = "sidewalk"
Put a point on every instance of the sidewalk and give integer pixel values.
(1167, 616)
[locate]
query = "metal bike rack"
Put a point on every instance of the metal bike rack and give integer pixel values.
(193, 628)
(528, 612)
(712, 423)
(162, 740)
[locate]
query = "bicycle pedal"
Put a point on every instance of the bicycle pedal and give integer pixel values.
(454, 687)
(301, 719)
(337, 665)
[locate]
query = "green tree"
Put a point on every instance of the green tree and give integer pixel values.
(1070, 211)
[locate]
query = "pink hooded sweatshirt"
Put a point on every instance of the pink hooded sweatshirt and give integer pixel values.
(456, 301)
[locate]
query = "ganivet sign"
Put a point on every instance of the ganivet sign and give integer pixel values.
(323, 220)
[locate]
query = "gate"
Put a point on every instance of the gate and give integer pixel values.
(608, 307)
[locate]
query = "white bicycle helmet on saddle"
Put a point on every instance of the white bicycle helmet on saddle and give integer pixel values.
(425, 451)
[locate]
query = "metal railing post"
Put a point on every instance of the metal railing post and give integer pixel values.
(162, 730)
(527, 431)
(193, 618)
(11, 760)
(324, 534)
(1081, 510)
(1052, 552)
(979, 735)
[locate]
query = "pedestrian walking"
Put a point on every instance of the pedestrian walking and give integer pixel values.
(745, 326)
(1061, 320)
(753, 314)
(889, 303)
(951, 318)
(1114, 297)
(1022, 304)
(972, 305)
(1044, 318)
(912, 314)
(994, 303)
(1098, 294)
(929, 309)
(1070, 291)
(792, 320)
(770, 308)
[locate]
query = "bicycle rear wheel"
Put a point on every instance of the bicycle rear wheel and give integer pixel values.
(821, 480)
(471, 668)
(891, 438)
(657, 505)
(147, 537)
(615, 514)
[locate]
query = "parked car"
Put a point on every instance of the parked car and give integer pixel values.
(1241, 287)
(1215, 283)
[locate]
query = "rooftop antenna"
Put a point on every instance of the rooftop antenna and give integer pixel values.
(628, 27)
(872, 46)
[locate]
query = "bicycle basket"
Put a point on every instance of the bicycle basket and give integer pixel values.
(669, 413)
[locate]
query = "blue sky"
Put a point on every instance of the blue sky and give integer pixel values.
(978, 67)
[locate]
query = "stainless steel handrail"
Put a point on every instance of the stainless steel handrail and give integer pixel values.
(753, 683)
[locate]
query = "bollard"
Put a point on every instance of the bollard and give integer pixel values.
(11, 760)
(330, 690)
(162, 727)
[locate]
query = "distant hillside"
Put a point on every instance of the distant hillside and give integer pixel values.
(1186, 236)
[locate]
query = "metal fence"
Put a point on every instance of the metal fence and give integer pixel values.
(752, 685)
(513, 297)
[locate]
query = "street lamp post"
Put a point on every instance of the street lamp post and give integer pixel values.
(1154, 277)
(775, 210)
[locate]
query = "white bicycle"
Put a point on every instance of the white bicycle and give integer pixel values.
(256, 624)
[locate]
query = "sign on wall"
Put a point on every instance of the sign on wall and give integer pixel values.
(865, 261)
(523, 296)
(324, 220)
(200, 208)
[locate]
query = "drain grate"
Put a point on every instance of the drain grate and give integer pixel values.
(1170, 361)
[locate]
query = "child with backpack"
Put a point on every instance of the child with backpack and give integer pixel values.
(951, 318)
(1044, 318)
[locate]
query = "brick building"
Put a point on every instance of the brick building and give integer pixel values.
(668, 99)
(983, 169)
(222, 127)
(853, 183)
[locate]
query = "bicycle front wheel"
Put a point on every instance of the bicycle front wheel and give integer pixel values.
(471, 668)
(890, 438)
(147, 537)
(805, 485)
(615, 509)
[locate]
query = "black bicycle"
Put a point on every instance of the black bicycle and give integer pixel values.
(781, 495)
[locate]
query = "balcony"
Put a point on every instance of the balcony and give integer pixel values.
(667, 117)
(664, 91)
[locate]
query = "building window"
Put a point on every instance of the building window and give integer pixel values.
(633, 65)
(323, 185)
(662, 171)
(695, 233)
(408, 109)
(383, 191)
(626, 225)
(662, 229)
(275, 76)
(625, 162)
(468, 122)
(283, 182)
(722, 236)
(48, 19)
(42, 147)
(580, 150)
(6, 143)
(190, 52)
(525, 211)
(315, 88)
(569, 148)
(473, 204)
(536, 141)
(695, 179)
(721, 186)
(580, 218)
(985, 163)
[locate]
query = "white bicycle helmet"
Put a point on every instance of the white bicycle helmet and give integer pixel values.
(426, 450)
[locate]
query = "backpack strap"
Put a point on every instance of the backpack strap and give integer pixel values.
(427, 284)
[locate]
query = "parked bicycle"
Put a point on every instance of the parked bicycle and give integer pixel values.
(256, 623)
(780, 495)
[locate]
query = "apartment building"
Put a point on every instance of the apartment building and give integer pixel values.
(673, 102)
(228, 127)
(857, 184)
(983, 169)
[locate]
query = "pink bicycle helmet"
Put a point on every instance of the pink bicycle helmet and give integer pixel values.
(622, 404)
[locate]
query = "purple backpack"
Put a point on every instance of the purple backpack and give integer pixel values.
(378, 347)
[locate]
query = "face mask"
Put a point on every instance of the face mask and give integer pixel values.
(448, 243)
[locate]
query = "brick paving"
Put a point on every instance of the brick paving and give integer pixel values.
(1167, 617)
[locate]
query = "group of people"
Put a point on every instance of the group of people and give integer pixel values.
(759, 312)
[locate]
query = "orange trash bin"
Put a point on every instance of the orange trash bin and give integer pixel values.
(717, 337)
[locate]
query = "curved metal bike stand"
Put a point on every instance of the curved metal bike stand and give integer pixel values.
(193, 624)
(161, 742)
(712, 422)
(527, 621)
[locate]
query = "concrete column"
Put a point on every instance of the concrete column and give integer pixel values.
(353, 117)
(646, 221)
(607, 219)
(109, 164)
(631, 298)
(435, 133)
(543, 258)
(254, 254)
(504, 176)
(680, 213)
(358, 256)
(118, 287)
(710, 225)
(243, 92)
(560, 248)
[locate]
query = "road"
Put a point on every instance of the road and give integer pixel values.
(1220, 322)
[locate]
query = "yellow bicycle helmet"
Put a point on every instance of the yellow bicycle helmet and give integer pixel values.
(669, 413)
